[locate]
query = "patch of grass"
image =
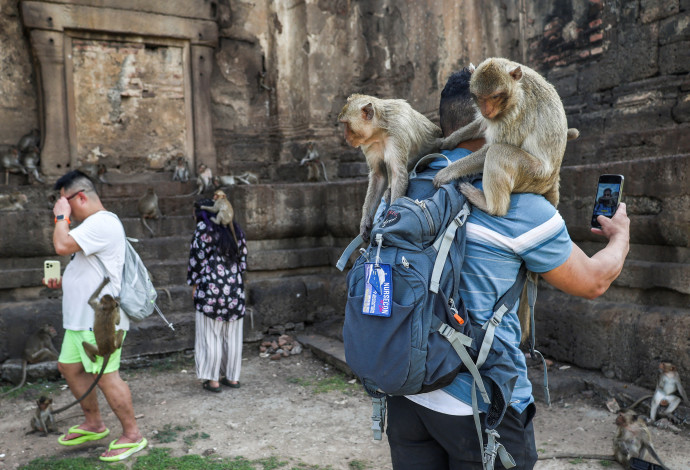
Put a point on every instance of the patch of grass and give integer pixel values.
(576, 461)
(159, 458)
(33, 389)
(333, 383)
(605, 463)
(189, 440)
(169, 433)
(74, 463)
(357, 465)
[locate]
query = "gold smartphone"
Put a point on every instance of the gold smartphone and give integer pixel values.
(51, 270)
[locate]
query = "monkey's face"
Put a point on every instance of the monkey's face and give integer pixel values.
(219, 195)
(108, 303)
(359, 118)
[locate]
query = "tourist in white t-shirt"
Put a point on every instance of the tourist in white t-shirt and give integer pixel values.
(99, 235)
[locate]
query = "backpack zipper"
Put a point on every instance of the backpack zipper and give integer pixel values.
(429, 219)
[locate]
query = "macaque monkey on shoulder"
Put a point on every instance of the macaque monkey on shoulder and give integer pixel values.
(393, 137)
(523, 121)
(223, 210)
(666, 388)
(38, 348)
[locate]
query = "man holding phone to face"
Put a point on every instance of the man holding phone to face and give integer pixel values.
(100, 234)
(436, 430)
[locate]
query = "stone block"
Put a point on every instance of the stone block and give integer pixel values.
(675, 58)
(674, 29)
(637, 51)
(623, 338)
(654, 10)
(681, 111)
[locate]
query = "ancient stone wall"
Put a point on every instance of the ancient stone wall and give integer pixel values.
(280, 73)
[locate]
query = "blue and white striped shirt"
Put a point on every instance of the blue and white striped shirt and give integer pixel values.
(532, 231)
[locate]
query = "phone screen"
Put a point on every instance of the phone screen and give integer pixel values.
(608, 196)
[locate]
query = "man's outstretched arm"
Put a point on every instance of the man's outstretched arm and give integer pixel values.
(587, 277)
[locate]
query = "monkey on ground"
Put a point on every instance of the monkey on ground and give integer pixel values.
(393, 137)
(223, 210)
(108, 339)
(312, 160)
(667, 385)
(523, 121)
(43, 419)
(148, 208)
(181, 172)
(38, 348)
(632, 439)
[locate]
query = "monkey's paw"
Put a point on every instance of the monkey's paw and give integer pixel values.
(365, 230)
(442, 177)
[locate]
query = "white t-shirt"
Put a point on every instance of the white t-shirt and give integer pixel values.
(102, 235)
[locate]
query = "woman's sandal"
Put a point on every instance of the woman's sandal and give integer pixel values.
(227, 383)
(207, 386)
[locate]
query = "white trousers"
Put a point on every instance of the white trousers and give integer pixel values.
(218, 348)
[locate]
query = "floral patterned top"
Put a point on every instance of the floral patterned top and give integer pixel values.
(220, 287)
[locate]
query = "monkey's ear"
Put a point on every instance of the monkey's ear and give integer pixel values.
(368, 112)
(516, 73)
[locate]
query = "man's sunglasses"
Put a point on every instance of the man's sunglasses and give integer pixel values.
(74, 195)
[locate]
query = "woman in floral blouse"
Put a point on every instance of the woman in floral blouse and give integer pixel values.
(215, 270)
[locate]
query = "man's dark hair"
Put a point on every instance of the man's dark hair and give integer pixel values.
(455, 108)
(75, 180)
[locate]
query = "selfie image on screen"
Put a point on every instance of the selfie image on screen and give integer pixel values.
(607, 199)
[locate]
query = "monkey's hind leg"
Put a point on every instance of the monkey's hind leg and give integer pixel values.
(119, 336)
(90, 350)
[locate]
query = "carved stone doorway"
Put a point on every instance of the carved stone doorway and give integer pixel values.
(123, 80)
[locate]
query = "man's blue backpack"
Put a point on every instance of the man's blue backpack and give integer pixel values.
(406, 328)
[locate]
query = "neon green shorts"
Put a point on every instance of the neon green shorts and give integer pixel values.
(73, 351)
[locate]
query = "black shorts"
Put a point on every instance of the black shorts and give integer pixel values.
(420, 438)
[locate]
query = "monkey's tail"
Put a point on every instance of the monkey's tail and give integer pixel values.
(95, 382)
(21, 382)
(651, 450)
(577, 456)
(143, 221)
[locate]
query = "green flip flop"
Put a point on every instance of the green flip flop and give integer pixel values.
(133, 447)
(86, 436)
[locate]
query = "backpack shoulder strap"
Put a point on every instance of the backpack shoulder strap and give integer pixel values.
(444, 247)
(431, 156)
(503, 306)
(354, 244)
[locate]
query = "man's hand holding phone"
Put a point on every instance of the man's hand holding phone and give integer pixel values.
(618, 225)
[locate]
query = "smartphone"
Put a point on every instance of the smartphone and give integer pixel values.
(51, 269)
(639, 464)
(608, 196)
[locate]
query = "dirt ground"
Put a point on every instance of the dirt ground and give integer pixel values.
(281, 411)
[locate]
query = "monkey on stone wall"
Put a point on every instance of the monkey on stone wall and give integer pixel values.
(148, 208)
(393, 137)
(38, 348)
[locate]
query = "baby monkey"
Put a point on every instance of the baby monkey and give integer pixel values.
(223, 210)
(393, 137)
(523, 121)
(43, 419)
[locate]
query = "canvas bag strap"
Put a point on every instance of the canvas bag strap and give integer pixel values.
(354, 244)
(460, 342)
(493, 447)
(503, 306)
(444, 248)
(534, 354)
